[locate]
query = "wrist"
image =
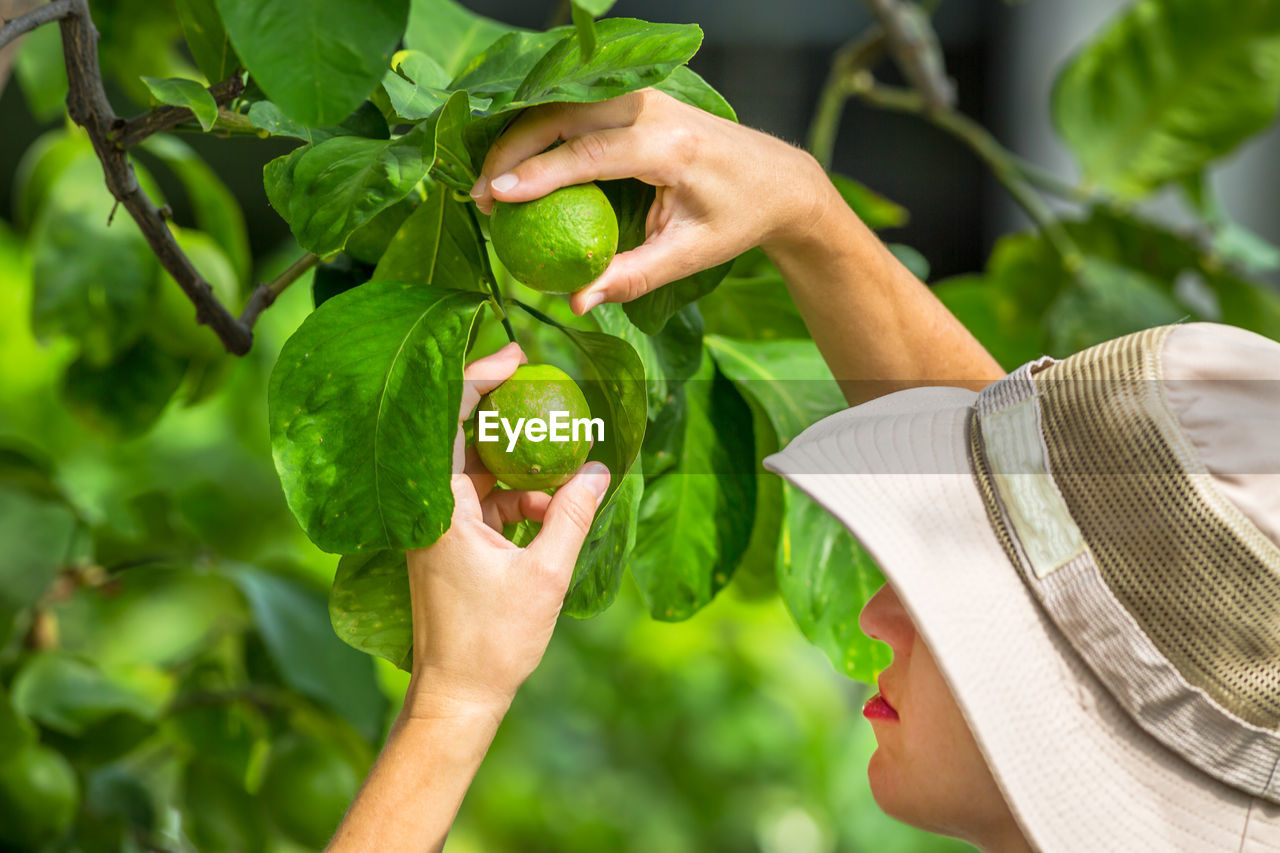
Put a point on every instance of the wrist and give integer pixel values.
(813, 223)
(428, 700)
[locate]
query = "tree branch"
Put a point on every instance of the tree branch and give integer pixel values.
(855, 56)
(266, 294)
(127, 134)
(914, 47)
(1003, 164)
(88, 107)
(37, 17)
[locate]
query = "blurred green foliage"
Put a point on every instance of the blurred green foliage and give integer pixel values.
(170, 675)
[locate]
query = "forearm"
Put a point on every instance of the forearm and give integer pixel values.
(877, 326)
(413, 792)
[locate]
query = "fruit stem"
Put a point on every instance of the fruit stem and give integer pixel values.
(490, 280)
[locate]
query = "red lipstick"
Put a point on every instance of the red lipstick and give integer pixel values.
(877, 708)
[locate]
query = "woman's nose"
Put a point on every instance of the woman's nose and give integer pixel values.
(885, 619)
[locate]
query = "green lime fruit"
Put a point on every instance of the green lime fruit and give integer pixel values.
(38, 797)
(534, 391)
(369, 241)
(173, 323)
(558, 243)
(307, 787)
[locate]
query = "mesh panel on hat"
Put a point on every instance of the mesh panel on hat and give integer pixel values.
(1200, 579)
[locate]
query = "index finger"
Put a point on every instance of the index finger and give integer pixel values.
(484, 374)
(540, 126)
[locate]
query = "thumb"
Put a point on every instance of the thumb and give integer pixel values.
(664, 257)
(568, 517)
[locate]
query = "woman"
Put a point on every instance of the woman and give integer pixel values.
(1083, 558)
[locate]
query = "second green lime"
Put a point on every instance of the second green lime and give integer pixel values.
(558, 243)
(534, 391)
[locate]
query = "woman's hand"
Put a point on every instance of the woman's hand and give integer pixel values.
(721, 188)
(484, 609)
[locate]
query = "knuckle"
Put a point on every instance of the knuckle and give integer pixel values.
(682, 144)
(632, 283)
(589, 148)
(579, 513)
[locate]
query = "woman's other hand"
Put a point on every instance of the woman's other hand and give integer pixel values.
(484, 609)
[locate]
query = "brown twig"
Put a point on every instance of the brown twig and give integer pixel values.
(37, 17)
(855, 56)
(1002, 163)
(88, 107)
(914, 47)
(266, 294)
(127, 134)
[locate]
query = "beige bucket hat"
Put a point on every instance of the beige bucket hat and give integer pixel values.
(1091, 549)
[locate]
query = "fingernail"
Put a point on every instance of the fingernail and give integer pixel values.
(478, 189)
(502, 183)
(592, 301)
(597, 477)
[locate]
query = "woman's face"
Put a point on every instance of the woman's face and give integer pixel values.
(928, 771)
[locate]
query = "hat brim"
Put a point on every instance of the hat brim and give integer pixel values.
(1077, 773)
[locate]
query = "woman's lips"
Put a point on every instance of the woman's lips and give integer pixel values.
(877, 708)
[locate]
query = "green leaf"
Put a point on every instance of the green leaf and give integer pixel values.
(1167, 87)
(415, 85)
(156, 616)
(126, 397)
(363, 410)
(498, 70)
(823, 575)
(42, 73)
(92, 280)
(369, 606)
(757, 573)
(684, 84)
(695, 518)
(595, 8)
(450, 33)
(1107, 301)
(788, 379)
(1004, 307)
(911, 258)
(266, 116)
(70, 695)
(35, 535)
(317, 59)
(293, 621)
(629, 55)
(437, 244)
(669, 358)
(16, 731)
(603, 558)
(991, 312)
(452, 165)
(219, 813)
(651, 311)
(585, 25)
(217, 212)
(185, 93)
(1252, 306)
(752, 303)
(873, 209)
(207, 38)
(327, 190)
(826, 578)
